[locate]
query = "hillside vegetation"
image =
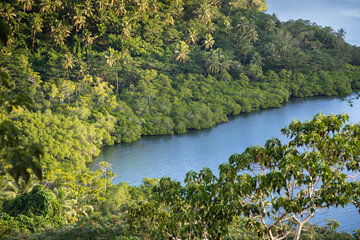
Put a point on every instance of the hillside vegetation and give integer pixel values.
(101, 72)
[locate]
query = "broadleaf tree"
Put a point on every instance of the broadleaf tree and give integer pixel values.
(276, 188)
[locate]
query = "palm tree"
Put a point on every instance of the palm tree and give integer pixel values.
(153, 5)
(101, 4)
(7, 11)
(270, 25)
(59, 33)
(45, 5)
(127, 28)
(182, 51)
(27, 4)
(143, 5)
(215, 3)
(84, 69)
(119, 7)
(61, 195)
(246, 48)
(72, 207)
(217, 62)
(235, 4)
(111, 56)
(178, 2)
(87, 9)
(79, 20)
(88, 38)
(193, 36)
(209, 41)
(213, 61)
(68, 61)
(341, 32)
(210, 27)
(77, 206)
(55, 4)
(257, 59)
(50, 5)
(245, 31)
(24, 187)
(8, 188)
(204, 13)
(37, 25)
(103, 19)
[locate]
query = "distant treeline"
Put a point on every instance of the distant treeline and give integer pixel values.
(110, 71)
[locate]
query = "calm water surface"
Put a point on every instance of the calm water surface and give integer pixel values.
(174, 156)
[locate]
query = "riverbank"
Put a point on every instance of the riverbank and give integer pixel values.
(175, 155)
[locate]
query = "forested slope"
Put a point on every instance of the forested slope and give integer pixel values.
(109, 71)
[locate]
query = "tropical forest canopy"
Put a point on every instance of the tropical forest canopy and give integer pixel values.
(101, 72)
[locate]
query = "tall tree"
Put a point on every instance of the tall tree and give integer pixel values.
(59, 33)
(209, 41)
(37, 25)
(341, 32)
(7, 11)
(69, 61)
(193, 36)
(50, 5)
(88, 8)
(317, 169)
(182, 52)
(27, 4)
(79, 20)
(216, 61)
(111, 56)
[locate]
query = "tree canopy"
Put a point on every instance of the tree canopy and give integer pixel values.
(276, 189)
(80, 75)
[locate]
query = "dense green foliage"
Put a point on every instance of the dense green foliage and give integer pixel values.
(99, 72)
(32, 210)
(103, 72)
(276, 188)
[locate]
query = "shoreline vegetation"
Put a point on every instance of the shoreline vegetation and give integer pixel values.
(100, 72)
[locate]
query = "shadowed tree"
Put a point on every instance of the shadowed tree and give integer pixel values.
(37, 25)
(87, 38)
(79, 20)
(7, 11)
(27, 4)
(216, 61)
(341, 33)
(15, 159)
(69, 61)
(50, 5)
(87, 9)
(59, 33)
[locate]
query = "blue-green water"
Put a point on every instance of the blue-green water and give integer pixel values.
(174, 156)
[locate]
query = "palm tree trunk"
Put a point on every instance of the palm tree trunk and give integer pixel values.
(245, 58)
(34, 38)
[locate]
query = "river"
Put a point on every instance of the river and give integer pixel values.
(174, 156)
